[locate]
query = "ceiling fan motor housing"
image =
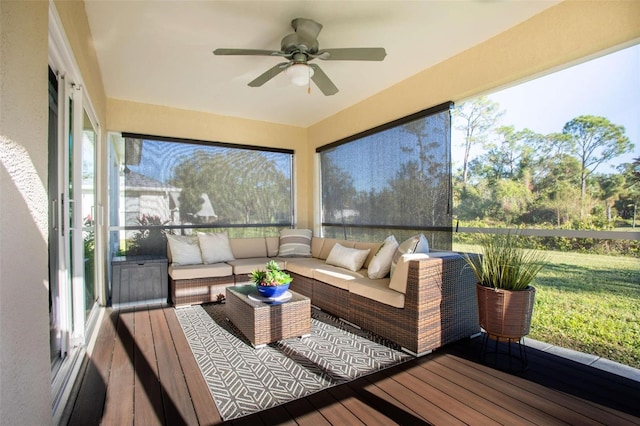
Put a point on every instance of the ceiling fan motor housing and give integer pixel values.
(293, 43)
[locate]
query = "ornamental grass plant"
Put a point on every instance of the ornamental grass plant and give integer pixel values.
(504, 263)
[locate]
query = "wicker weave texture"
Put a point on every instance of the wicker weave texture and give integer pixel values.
(440, 307)
(332, 299)
(196, 291)
(505, 313)
(302, 284)
(263, 323)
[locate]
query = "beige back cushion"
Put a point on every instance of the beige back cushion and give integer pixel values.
(373, 247)
(328, 246)
(273, 244)
(244, 248)
(316, 246)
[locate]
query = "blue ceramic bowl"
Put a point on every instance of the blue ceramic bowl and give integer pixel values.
(272, 291)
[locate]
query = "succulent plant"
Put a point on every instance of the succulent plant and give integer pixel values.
(272, 275)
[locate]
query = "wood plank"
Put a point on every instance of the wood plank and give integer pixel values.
(333, 410)
(305, 414)
(147, 393)
(473, 400)
(455, 407)
(437, 387)
(425, 408)
(203, 402)
(611, 392)
(371, 410)
(277, 416)
(178, 407)
(118, 408)
(511, 399)
(385, 403)
(571, 404)
(91, 397)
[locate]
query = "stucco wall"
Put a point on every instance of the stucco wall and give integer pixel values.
(25, 372)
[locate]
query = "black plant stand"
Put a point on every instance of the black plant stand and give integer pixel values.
(508, 353)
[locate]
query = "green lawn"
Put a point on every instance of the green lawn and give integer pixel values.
(588, 302)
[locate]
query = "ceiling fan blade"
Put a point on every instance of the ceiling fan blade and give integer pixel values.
(251, 52)
(323, 82)
(308, 29)
(353, 54)
(268, 75)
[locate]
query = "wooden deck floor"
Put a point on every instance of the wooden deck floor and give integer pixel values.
(142, 372)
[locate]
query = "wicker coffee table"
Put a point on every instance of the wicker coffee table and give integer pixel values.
(267, 322)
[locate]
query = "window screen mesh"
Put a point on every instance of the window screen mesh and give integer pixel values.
(393, 181)
(162, 186)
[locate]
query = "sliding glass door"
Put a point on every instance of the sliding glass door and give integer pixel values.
(72, 191)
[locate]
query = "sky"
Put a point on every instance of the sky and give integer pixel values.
(608, 86)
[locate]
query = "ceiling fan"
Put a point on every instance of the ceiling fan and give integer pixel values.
(301, 47)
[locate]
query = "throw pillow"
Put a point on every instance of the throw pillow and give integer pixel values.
(398, 280)
(215, 247)
(348, 258)
(295, 243)
(416, 244)
(380, 265)
(185, 250)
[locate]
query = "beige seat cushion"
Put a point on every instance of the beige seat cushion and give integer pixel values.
(377, 290)
(303, 266)
(336, 276)
(189, 272)
(245, 266)
(245, 248)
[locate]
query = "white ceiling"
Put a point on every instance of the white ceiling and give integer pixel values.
(160, 52)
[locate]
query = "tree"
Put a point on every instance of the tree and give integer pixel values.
(244, 186)
(595, 140)
(629, 198)
(475, 118)
(188, 176)
(338, 190)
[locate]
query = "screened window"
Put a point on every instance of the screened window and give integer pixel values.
(163, 185)
(394, 179)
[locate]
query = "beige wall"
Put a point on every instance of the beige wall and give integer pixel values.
(76, 26)
(564, 33)
(25, 383)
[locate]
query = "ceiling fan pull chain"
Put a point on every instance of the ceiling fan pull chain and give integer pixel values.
(309, 80)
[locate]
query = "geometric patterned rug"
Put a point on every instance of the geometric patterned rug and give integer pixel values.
(244, 380)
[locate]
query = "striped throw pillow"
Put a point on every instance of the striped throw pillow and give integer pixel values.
(295, 243)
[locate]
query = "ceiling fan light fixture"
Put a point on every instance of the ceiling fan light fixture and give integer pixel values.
(300, 74)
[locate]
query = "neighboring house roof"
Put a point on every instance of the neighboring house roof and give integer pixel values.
(137, 182)
(207, 208)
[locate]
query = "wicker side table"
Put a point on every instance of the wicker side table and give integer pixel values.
(263, 323)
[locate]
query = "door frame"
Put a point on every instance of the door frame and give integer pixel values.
(73, 103)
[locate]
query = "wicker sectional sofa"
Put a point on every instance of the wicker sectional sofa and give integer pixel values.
(437, 307)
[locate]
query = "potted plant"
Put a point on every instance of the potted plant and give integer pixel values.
(271, 281)
(504, 271)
